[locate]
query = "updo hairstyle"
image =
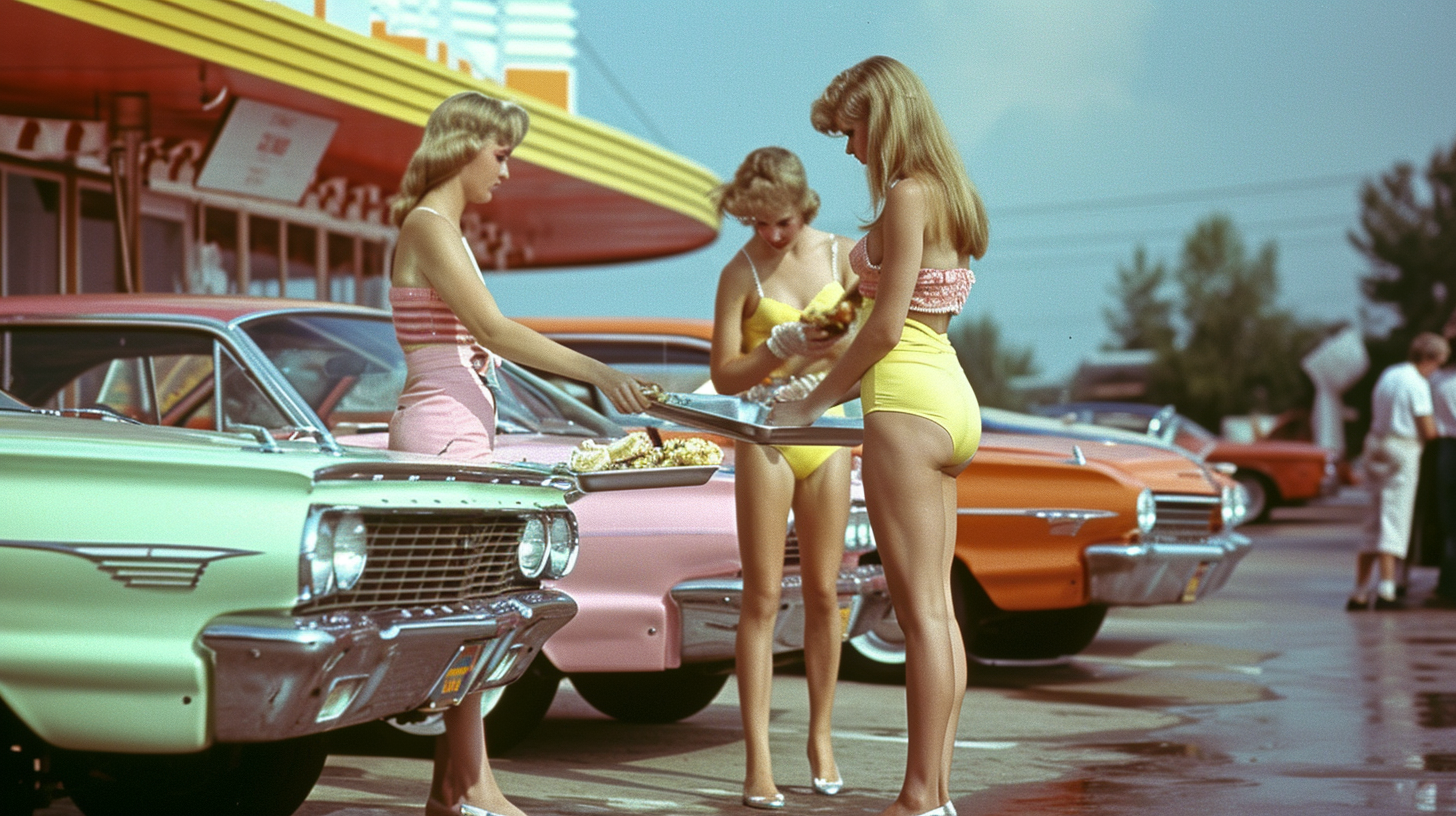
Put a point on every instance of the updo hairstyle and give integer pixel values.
(455, 133)
(770, 180)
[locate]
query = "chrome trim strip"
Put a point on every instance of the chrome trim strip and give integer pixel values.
(1064, 522)
(159, 566)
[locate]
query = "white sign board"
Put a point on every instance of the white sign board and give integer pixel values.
(266, 151)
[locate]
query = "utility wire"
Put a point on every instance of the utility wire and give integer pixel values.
(601, 65)
(1281, 225)
(1186, 196)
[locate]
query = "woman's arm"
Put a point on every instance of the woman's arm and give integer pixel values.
(902, 236)
(733, 370)
(433, 248)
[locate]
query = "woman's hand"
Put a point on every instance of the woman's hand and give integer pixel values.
(627, 393)
(799, 339)
(797, 412)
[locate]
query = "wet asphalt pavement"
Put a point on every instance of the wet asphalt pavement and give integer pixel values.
(1299, 707)
(1266, 698)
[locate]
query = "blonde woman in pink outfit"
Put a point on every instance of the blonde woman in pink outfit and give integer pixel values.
(922, 421)
(451, 330)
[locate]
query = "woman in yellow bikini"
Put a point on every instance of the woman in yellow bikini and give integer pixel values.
(922, 422)
(760, 346)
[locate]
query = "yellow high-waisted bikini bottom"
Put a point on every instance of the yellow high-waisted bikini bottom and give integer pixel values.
(922, 376)
(805, 459)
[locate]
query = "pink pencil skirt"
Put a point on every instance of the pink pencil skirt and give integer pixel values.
(445, 409)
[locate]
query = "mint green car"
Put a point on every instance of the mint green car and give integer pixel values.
(184, 613)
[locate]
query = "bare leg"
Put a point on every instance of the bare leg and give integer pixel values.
(906, 463)
(957, 642)
(821, 510)
(1364, 562)
(765, 489)
(462, 770)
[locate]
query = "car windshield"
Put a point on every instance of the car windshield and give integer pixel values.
(154, 375)
(350, 370)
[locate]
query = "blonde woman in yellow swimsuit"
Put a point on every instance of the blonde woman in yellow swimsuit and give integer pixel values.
(758, 341)
(922, 422)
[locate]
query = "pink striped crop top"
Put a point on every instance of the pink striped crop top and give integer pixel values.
(422, 317)
(937, 291)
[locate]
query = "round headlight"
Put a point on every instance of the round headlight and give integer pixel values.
(858, 537)
(350, 549)
(532, 552)
(319, 561)
(563, 543)
(1147, 511)
(1234, 505)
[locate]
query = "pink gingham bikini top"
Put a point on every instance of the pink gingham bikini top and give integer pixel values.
(937, 291)
(421, 316)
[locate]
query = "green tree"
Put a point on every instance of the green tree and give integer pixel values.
(1232, 350)
(1408, 234)
(989, 364)
(1409, 237)
(1143, 317)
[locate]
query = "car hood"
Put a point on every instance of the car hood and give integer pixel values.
(1157, 467)
(54, 436)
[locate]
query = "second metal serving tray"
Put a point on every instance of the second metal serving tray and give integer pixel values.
(740, 419)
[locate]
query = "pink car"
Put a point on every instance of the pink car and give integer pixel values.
(658, 577)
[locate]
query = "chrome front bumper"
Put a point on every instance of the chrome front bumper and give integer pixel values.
(1162, 572)
(276, 677)
(710, 608)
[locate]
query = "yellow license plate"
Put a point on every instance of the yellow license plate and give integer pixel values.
(1190, 590)
(455, 681)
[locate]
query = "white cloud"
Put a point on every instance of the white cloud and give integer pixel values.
(985, 59)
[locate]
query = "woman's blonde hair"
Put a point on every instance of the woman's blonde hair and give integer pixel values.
(907, 138)
(456, 132)
(770, 179)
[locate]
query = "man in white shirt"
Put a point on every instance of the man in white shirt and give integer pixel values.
(1401, 422)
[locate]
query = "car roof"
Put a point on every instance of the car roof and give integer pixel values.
(223, 308)
(671, 326)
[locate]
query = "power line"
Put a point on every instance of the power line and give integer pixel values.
(1186, 196)
(1031, 243)
(601, 65)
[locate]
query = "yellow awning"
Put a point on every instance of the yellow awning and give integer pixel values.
(631, 198)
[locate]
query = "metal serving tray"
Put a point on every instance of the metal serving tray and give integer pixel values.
(744, 420)
(596, 481)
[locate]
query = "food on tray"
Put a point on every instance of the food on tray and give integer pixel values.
(834, 319)
(589, 456)
(635, 450)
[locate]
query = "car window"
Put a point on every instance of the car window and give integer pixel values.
(155, 376)
(350, 370)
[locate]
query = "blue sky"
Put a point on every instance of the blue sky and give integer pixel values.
(1089, 126)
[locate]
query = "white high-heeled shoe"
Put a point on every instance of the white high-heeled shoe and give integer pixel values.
(828, 787)
(946, 809)
(775, 802)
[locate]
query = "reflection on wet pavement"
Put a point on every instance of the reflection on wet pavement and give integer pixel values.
(1287, 704)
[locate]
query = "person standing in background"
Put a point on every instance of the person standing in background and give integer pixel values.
(1401, 422)
(1443, 497)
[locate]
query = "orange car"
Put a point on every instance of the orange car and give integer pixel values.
(1275, 472)
(1056, 522)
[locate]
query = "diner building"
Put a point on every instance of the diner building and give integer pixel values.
(251, 146)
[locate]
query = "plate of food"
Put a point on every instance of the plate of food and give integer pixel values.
(635, 462)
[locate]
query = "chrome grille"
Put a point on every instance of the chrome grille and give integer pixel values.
(428, 559)
(1183, 517)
